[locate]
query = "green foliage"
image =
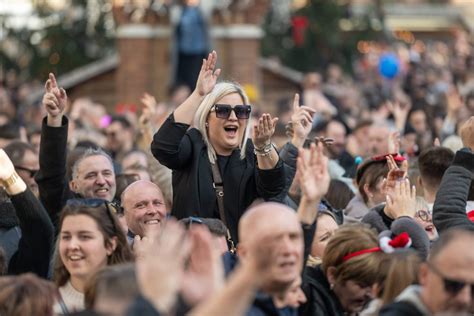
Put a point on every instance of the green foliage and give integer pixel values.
(324, 41)
(65, 39)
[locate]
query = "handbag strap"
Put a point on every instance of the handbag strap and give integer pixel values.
(63, 305)
(219, 188)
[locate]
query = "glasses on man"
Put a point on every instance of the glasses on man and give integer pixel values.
(223, 111)
(453, 287)
(31, 172)
(423, 215)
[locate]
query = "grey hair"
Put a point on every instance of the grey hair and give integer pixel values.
(220, 90)
(89, 153)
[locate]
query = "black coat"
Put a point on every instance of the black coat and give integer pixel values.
(449, 209)
(51, 177)
(321, 300)
(33, 241)
(400, 309)
(184, 151)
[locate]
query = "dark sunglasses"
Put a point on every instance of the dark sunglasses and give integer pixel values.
(112, 208)
(32, 172)
(190, 221)
(223, 111)
(423, 215)
(453, 287)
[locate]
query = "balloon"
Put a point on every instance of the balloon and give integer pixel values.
(389, 65)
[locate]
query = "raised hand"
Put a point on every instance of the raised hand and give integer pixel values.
(8, 177)
(149, 110)
(454, 103)
(394, 142)
(402, 200)
(6, 166)
(160, 268)
(400, 112)
(205, 273)
(301, 122)
(312, 170)
(54, 101)
(394, 175)
(264, 130)
(208, 75)
(467, 133)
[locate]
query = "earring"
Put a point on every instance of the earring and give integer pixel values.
(331, 286)
(207, 124)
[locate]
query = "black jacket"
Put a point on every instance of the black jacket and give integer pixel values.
(184, 151)
(321, 301)
(449, 209)
(34, 238)
(377, 219)
(400, 309)
(51, 178)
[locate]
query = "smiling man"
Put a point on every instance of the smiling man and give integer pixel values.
(144, 208)
(93, 175)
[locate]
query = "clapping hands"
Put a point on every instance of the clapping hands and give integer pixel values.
(263, 130)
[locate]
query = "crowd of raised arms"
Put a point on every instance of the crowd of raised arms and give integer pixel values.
(353, 197)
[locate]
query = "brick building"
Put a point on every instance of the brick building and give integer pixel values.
(143, 62)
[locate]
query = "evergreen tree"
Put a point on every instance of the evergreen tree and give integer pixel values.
(323, 40)
(80, 32)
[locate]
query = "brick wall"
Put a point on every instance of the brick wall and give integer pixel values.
(100, 89)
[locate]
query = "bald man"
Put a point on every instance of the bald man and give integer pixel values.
(144, 208)
(276, 225)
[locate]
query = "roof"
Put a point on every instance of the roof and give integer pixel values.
(104, 65)
(80, 75)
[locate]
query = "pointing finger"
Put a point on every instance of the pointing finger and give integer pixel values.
(54, 83)
(296, 102)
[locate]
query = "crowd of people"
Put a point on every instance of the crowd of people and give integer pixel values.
(192, 207)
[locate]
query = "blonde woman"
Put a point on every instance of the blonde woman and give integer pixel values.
(218, 141)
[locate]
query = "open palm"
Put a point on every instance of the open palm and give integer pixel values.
(313, 172)
(207, 75)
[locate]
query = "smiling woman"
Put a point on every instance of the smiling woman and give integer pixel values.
(90, 238)
(216, 157)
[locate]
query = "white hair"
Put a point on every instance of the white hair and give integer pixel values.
(220, 90)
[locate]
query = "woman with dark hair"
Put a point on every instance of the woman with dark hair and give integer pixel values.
(369, 178)
(342, 284)
(217, 171)
(90, 238)
(326, 227)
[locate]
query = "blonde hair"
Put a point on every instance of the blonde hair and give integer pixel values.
(402, 272)
(421, 204)
(220, 90)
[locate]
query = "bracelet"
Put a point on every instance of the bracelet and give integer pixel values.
(263, 150)
(11, 180)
